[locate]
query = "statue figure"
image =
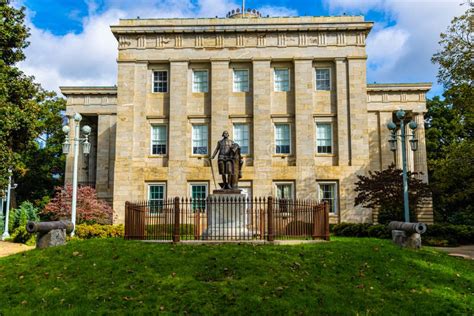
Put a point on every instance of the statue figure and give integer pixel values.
(229, 162)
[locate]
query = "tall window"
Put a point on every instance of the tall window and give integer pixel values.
(324, 138)
(241, 80)
(328, 193)
(158, 140)
(199, 195)
(156, 196)
(200, 140)
(284, 192)
(323, 79)
(282, 79)
(200, 81)
(160, 81)
(241, 137)
(282, 138)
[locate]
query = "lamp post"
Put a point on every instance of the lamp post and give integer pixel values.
(393, 147)
(86, 150)
(11, 186)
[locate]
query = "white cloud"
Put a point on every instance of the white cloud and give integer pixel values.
(402, 51)
(277, 11)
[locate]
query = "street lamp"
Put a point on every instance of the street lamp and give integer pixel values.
(393, 147)
(11, 187)
(86, 147)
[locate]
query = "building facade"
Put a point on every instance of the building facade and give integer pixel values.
(291, 91)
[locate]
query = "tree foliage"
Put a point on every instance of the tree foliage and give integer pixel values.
(27, 112)
(384, 190)
(90, 210)
(449, 125)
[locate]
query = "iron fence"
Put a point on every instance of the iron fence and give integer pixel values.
(226, 218)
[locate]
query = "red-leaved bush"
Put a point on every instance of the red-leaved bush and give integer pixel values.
(89, 209)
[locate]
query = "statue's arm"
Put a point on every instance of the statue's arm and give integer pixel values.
(216, 150)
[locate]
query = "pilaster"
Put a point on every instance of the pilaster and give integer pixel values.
(343, 129)
(420, 157)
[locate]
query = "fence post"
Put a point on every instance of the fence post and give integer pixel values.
(326, 221)
(315, 222)
(127, 220)
(270, 219)
(176, 220)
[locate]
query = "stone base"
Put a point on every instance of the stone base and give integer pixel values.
(400, 238)
(227, 220)
(55, 237)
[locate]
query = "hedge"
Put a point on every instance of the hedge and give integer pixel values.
(85, 231)
(436, 235)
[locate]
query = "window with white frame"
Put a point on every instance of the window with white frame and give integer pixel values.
(200, 139)
(324, 138)
(323, 79)
(282, 138)
(328, 193)
(282, 79)
(158, 139)
(241, 80)
(156, 196)
(241, 137)
(284, 191)
(160, 81)
(200, 80)
(198, 195)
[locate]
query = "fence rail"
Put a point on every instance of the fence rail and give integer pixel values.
(226, 218)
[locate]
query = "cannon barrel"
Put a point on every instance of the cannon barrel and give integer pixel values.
(407, 227)
(45, 227)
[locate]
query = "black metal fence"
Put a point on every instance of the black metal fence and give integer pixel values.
(226, 218)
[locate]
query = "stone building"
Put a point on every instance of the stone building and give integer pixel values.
(292, 91)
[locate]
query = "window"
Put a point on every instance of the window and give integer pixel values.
(328, 193)
(282, 138)
(284, 192)
(241, 137)
(241, 80)
(156, 196)
(160, 81)
(158, 140)
(200, 81)
(282, 79)
(200, 141)
(198, 195)
(323, 79)
(324, 138)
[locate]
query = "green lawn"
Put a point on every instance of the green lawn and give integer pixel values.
(346, 276)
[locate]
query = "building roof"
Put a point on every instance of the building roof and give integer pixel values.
(98, 90)
(213, 25)
(421, 86)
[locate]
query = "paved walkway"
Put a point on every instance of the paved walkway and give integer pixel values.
(10, 248)
(466, 252)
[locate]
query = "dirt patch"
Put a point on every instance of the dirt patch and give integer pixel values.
(9, 248)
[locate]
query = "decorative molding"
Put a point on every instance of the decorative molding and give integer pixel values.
(322, 39)
(341, 38)
(178, 40)
(281, 39)
(360, 38)
(262, 40)
(198, 41)
(141, 41)
(302, 39)
(220, 40)
(240, 40)
(124, 42)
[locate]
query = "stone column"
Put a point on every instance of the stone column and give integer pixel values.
(105, 155)
(304, 129)
(219, 101)
(177, 185)
(388, 157)
(358, 124)
(262, 128)
(343, 130)
(420, 157)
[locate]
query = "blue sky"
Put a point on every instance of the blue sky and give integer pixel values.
(71, 43)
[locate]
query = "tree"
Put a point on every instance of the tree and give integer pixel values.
(27, 111)
(384, 190)
(90, 210)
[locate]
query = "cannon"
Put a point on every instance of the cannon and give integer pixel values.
(50, 234)
(407, 234)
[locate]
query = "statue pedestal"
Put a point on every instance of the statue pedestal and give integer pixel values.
(227, 217)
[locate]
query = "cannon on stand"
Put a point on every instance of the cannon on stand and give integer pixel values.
(407, 234)
(50, 234)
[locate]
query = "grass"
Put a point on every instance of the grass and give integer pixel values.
(347, 276)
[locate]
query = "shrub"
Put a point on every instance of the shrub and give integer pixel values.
(351, 230)
(21, 235)
(84, 231)
(168, 229)
(90, 210)
(26, 212)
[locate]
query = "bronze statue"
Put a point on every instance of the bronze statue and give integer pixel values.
(229, 162)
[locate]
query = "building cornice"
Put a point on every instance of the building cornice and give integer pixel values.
(89, 90)
(422, 86)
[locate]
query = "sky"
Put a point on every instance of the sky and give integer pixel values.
(71, 43)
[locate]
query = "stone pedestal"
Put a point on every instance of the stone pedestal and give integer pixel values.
(227, 217)
(55, 237)
(400, 238)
